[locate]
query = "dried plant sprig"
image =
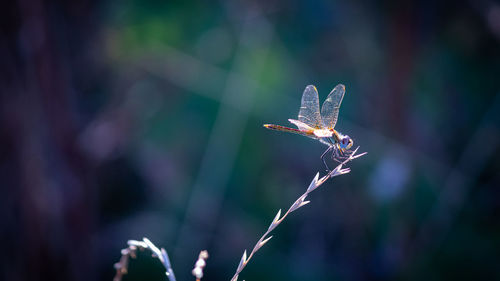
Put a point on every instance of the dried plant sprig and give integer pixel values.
(122, 266)
(199, 265)
(300, 202)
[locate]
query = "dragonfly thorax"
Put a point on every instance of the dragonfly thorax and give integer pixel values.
(323, 133)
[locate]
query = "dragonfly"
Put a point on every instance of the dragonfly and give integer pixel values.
(320, 126)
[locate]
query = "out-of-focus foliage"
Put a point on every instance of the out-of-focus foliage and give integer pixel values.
(122, 120)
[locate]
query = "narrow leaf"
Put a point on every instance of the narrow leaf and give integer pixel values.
(242, 261)
(137, 243)
(265, 241)
(304, 203)
(296, 206)
(355, 150)
(277, 217)
(359, 155)
(297, 202)
(314, 182)
(342, 172)
(275, 220)
(153, 248)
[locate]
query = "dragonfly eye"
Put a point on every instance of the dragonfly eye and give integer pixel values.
(346, 142)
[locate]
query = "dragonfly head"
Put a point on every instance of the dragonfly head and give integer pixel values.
(346, 142)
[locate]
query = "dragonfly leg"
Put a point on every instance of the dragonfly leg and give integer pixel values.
(343, 154)
(323, 157)
(335, 155)
(346, 154)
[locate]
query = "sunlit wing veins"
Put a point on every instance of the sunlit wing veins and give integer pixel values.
(330, 108)
(307, 130)
(301, 125)
(309, 108)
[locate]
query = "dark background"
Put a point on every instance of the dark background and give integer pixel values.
(130, 119)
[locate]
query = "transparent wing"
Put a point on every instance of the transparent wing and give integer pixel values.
(330, 108)
(309, 107)
(301, 125)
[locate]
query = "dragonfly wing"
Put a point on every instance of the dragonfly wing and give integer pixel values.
(309, 108)
(330, 108)
(301, 125)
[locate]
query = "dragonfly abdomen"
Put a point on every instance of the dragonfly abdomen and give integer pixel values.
(289, 130)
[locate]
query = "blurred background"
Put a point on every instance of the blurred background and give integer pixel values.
(130, 119)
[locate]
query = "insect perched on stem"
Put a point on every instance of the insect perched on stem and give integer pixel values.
(311, 123)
